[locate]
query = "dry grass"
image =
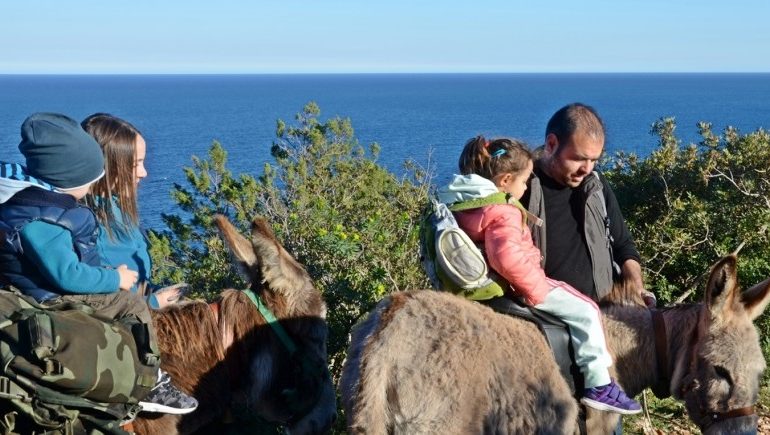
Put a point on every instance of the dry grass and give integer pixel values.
(667, 416)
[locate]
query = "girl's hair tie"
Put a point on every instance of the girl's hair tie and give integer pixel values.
(486, 144)
(498, 153)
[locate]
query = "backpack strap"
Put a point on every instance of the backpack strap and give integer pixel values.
(10, 390)
(496, 198)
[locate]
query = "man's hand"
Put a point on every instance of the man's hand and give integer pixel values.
(632, 275)
(649, 299)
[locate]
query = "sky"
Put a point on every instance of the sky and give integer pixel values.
(393, 36)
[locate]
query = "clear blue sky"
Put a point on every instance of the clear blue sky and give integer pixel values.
(320, 36)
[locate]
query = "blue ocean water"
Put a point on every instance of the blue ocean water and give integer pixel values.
(412, 116)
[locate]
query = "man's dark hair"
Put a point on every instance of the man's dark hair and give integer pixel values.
(573, 117)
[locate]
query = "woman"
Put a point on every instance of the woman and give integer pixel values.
(114, 201)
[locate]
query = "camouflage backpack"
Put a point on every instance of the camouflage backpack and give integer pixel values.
(68, 371)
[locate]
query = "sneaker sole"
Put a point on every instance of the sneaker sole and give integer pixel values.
(164, 409)
(604, 407)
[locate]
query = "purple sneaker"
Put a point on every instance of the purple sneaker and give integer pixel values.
(611, 398)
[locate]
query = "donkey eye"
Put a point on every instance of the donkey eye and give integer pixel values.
(723, 373)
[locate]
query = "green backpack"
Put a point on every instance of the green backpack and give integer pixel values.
(66, 370)
(451, 259)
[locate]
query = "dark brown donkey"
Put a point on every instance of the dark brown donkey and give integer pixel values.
(430, 362)
(227, 356)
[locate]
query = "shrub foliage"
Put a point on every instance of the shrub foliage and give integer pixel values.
(351, 222)
(687, 206)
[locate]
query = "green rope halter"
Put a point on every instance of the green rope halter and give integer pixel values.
(272, 321)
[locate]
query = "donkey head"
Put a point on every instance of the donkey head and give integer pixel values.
(292, 388)
(720, 382)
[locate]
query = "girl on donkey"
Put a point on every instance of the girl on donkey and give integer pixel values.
(505, 165)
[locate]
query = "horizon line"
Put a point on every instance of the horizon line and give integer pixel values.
(375, 73)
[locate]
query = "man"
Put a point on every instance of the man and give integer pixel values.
(584, 240)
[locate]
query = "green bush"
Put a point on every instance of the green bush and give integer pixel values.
(352, 223)
(688, 206)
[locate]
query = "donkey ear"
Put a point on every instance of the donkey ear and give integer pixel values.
(239, 245)
(280, 270)
(756, 299)
(722, 288)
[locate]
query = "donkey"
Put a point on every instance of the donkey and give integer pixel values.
(228, 357)
(431, 362)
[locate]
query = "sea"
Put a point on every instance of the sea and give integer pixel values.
(421, 117)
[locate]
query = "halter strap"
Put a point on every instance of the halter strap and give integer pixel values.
(269, 317)
(287, 342)
(746, 411)
(309, 369)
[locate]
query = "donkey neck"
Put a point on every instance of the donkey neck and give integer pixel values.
(631, 339)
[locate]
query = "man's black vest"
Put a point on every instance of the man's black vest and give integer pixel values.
(34, 204)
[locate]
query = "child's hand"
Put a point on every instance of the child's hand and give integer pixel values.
(170, 294)
(128, 277)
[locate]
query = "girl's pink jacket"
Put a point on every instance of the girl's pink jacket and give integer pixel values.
(509, 248)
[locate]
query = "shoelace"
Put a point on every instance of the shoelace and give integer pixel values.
(165, 378)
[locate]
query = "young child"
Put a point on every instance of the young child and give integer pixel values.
(113, 199)
(49, 247)
(505, 165)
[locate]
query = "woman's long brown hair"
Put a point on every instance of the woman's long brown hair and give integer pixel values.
(117, 138)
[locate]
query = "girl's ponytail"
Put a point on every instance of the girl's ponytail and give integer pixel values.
(475, 157)
(490, 158)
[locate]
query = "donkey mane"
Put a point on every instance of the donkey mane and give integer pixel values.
(204, 366)
(190, 318)
(209, 366)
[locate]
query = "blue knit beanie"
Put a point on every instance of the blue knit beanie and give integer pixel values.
(60, 152)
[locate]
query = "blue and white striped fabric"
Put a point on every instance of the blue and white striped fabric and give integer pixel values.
(14, 178)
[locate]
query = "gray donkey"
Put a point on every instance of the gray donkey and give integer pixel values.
(426, 362)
